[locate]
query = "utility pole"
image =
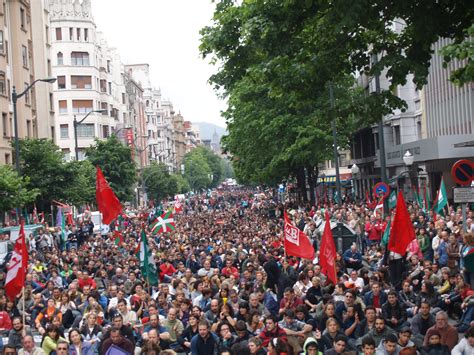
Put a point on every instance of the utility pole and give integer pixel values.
(383, 165)
(334, 142)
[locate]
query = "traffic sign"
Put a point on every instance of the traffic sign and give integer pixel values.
(463, 172)
(381, 189)
(464, 194)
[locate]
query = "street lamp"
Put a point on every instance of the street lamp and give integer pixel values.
(15, 98)
(409, 159)
(76, 123)
(355, 173)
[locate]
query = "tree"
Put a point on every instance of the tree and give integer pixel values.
(159, 183)
(14, 191)
(42, 162)
(183, 185)
(115, 160)
(228, 170)
(215, 163)
(80, 189)
(197, 170)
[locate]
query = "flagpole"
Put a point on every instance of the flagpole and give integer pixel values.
(24, 307)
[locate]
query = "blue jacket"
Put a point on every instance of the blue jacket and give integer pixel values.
(443, 254)
(86, 349)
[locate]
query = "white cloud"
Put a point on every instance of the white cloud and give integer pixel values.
(165, 34)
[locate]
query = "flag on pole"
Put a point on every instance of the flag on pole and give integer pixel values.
(386, 234)
(16, 272)
(296, 242)
(118, 238)
(178, 207)
(59, 217)
(35, 215)
(441, 199)
(327, 252)
(392, 200)
(63, 227)
(164, 223)
(107, 202)
(401, 231)
(427, 199)
(147, 264)
(378, 210)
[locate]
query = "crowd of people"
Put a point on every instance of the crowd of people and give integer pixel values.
(226, 285)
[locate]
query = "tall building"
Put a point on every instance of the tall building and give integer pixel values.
(179, 139)
(88, 78)
(41, 29)
(16, 70)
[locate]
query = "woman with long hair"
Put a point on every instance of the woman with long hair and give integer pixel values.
(50, 339)
(191, 330)
(67, 307)
(90, 329)
(77, 346)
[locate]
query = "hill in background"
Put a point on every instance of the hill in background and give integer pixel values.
(207, 129)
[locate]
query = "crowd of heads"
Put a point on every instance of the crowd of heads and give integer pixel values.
(226, 285)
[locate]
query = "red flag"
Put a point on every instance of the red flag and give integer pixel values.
(401, 232)
(327, 252)
(296, 242)
(17, 267)
(108, 204)
(178, 207)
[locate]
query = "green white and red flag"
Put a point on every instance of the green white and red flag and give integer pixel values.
(164, 223)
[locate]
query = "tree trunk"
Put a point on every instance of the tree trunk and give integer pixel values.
(312, 177)
(301, 182)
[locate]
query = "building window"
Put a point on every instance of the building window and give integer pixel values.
(24, 55)
(85, 130)
(3, 86)
(79, 58)
(86, 34)
(78, 30)
(123, 98)
(103, 85)
(81, 82)
(7, 159)
(108, 66)
(71, 33)
(82, 106)
(62, 107)
(104, 106)
(22, 19)
(64, 131)
(5, 124)
(61, 82)
(51, 102)
(105, 131)
(2, 43)
(60, 58)
(110, 88)
(59, 34)
(27, 95)
(28, 129)
(396, 135)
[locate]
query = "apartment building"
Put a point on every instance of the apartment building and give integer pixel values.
(16, 70)
(89, 87)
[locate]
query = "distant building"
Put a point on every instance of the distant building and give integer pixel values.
(216, 143)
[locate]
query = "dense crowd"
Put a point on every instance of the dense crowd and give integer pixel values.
(226, 286)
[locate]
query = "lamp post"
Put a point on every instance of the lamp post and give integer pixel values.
(409, 159)
(15, 97)
(355, 173)
(76, 123)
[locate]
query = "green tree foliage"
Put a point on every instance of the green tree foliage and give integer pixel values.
(80, 189)
(197, 170)
(228, 170)
(158, 182)
(183, 185)
(42, 162)
(464, 51)
(14, 191)
(215, 164)
(276, 61)
(115, 160)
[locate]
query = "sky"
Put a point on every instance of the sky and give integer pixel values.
(165, 34)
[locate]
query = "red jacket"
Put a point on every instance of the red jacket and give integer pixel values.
(374, 231)
(87, 282)
(266, 336)
(5, 321)
(166, 269)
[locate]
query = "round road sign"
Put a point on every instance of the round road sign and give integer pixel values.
(381, 189)
(463, 172)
